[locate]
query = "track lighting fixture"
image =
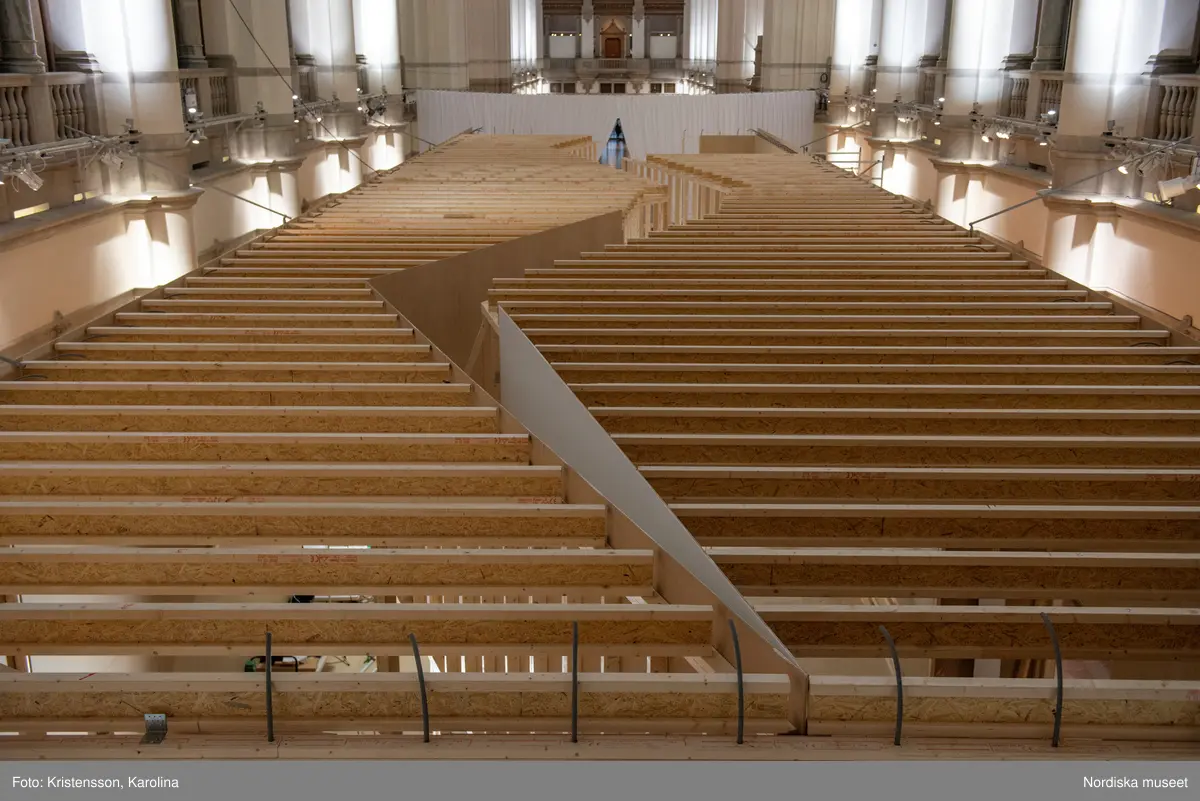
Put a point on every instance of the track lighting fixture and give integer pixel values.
(28, 177)
(1178, 186)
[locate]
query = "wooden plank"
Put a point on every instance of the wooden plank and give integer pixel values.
(348, 628)
(261, 571)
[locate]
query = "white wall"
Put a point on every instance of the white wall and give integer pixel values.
(652, 123)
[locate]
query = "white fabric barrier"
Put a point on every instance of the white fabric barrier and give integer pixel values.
(653, 124)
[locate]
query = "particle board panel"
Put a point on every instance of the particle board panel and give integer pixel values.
(232, 521)
(985, 632)
(912, 573)
(202, 571)
(366, 628)
(252, 419)
(934, 525)
(254, 447)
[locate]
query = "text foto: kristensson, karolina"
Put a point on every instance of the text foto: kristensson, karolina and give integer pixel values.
(76, 783)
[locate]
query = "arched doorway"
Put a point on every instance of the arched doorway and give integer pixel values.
(612, 40)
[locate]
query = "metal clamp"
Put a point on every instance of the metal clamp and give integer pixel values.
(156, 729)
(899, 683)
(741, 686)
(575, 682)
(1058, 670)
(270, 709)
(412, 638)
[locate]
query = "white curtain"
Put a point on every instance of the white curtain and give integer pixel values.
(653, 124)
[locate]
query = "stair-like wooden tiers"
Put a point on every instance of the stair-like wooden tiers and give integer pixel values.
(269, 427)
(847, 399)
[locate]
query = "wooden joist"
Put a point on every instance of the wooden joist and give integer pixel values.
(240, 628)
(268, 571)
(981, 632)
(1094, 578)
(391, 702)
(228, 521)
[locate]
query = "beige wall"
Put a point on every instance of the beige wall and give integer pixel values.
(76, 264)
(442, 298)
(1139, 250)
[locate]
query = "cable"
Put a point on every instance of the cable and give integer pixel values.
(292, 91)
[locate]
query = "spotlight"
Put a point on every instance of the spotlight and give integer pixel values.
(197, 137)
(854, 108)
(1124, 168)
(295, 97)
(111, 158)
(30, 178)
(937, 120)
(1178, 186)
(941, 100)
(1052, 112)
(986, 134)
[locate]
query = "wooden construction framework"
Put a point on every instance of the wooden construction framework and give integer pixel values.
(868, 417)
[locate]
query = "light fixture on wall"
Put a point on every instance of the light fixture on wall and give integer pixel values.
(986, 133)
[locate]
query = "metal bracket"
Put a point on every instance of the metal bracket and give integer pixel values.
(741, 687)
(412, 638)
(899, 683)
(156, 729)
(1058, 670)
(574, 682)
(270, 709)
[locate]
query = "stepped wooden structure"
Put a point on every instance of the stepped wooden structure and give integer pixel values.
(869, 417)
(873, 418)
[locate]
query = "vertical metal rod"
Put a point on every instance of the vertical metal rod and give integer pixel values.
(270, 708)
(574, 682)
(412, 638)
(899, 683)
(741, 687)
(1058, 670)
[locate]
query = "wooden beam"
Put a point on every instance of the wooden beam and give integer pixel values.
(201, 628)
(255, 571)
(985, 632)
(205, 702)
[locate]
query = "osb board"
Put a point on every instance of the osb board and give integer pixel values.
(969, 581)
(717, 423)
(197, 449)
(967, 531)
(231, 352)
(915, 455)
(309, 570)
(266, 421)
(71, 371)
(1076, 711)
(799, 374)
(382, 703)
(862, 397)
(140, 633)
(989, 640)
(253, 483)
(278, 526)
(136, 395)
(982, 487)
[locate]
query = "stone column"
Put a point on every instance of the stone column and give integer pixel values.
(227, 40)
(797, 43)
(639, 29)
(189, 34)
(700, 26)
(1053, 23)
(587, 31)
(904, 39)
(377, 32)
(18, 39)
(740, 25)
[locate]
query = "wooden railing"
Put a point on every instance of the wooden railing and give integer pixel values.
(1174, 107)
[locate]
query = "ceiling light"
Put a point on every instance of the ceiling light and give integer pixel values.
(1124, 168)
(854, 108)
(295, 97)
(941, 100)
(1178, 186)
